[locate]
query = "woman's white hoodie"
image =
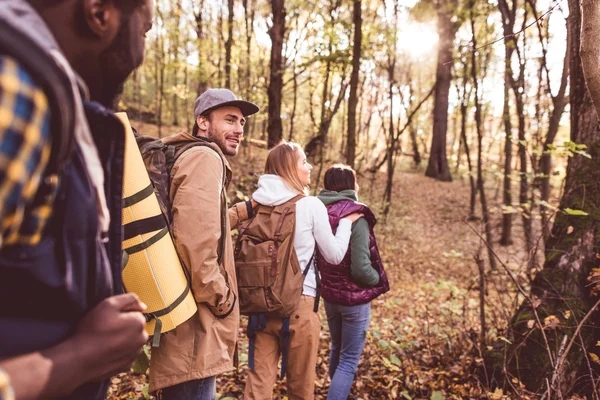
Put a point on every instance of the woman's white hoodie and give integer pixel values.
(312, 225)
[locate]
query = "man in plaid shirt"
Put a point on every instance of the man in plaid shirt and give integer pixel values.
(63, 332)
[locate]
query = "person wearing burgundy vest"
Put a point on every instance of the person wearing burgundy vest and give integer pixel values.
(348, 287)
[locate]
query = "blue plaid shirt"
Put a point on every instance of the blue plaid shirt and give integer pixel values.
(24, 152)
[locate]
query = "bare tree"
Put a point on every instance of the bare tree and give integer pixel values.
(229, 44)
(277, 33)
(508, 13)
(478, 125)
(353, 99)
(438, 162)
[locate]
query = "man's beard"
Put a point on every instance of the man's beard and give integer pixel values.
(116, 64)
(219, 140)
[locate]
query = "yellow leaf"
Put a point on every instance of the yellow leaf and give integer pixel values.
(551, 322)
(594, 358)
(497, 395)
(567, 314)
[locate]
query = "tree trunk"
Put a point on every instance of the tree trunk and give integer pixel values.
(508, 23)
(228, 44)
(438, 163)
(276, 32)
(202, 83)
(480, 185)
(411, 129)
(524, 183)
(560, 102)
(294, 102)
(391, 142)
(561, 287)
(465, 142)
(249, 10)
(175, 54)
(353, 99)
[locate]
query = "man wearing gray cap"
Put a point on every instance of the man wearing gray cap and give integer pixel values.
(190, 357)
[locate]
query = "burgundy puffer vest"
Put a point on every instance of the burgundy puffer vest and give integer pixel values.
(337, 284)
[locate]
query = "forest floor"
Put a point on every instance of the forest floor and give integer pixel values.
(423, 340)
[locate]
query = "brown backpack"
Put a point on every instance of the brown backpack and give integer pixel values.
(267, 268)
(268, 272)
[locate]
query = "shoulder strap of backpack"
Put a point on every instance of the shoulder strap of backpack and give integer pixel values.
(56, 86)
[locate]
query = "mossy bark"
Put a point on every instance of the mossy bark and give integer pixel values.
(561, 288)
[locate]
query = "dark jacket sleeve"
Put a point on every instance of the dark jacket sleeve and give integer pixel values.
(361, 268)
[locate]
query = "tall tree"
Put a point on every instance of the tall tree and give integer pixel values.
(249, 13)
(353, 99)
(559, 102)
(202, 65)
(229, 44)
(478, 126)
(277, 33)
(509, 14)
(438, 162)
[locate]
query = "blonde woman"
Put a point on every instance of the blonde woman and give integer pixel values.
(287, 175)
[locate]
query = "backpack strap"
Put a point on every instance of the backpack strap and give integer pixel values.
(318, 281)
(276, 237)
(256, 323)
(317, 278)
(285, 344)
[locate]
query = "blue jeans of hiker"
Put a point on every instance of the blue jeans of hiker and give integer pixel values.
(348, 328)
(199, 389)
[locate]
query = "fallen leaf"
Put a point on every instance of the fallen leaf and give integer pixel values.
(551, 322)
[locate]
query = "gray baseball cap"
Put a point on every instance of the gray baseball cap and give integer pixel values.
(214, 98)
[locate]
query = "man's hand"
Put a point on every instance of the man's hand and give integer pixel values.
(110, 337)
(106, 341)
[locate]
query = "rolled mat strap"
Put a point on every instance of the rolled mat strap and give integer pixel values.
(156, 314)
(157, 328)
(144, 245)
(285, 345)
(145, 225)
(173, 305)
(139, 196)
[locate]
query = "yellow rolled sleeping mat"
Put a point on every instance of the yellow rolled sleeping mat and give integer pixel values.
(153, 270)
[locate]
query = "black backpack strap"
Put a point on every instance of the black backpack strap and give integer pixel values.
(256, 323)
(285, 344)
(317, 277)
(318, 295)
(57, 88)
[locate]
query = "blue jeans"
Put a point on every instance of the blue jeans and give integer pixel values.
(348, 328)
(200, 389)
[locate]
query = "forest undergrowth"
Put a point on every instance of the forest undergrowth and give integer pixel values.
(424, 336)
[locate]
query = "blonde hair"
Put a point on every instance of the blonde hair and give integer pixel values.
(282, 161)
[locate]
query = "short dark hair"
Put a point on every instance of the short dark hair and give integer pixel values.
(206, 115)
(340, 177)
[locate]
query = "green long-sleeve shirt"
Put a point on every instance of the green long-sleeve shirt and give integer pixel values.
(360, 254)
